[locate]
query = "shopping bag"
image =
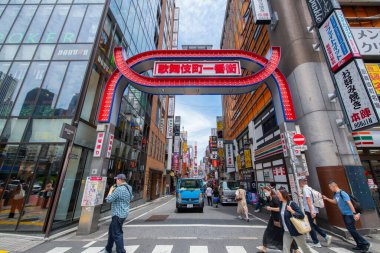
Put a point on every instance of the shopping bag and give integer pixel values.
(301, 225)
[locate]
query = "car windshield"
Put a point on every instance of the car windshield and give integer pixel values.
(190, 184)
(230, 186)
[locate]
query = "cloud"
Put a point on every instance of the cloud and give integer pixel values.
(201, 21)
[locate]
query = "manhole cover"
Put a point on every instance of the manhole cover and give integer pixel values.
(157, 218)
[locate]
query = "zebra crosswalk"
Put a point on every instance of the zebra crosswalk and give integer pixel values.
(169, 249)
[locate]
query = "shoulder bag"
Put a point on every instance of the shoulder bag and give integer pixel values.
(301, 225)
(239, 197)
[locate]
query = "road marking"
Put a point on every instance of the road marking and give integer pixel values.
(89, 244)
(163, 249)
(198, 249)
(93, 250)
(235, 249)
(340, 250)
(193, 225)
(125, 224)
(59, 250)
(314, 251)
(177, 238)
(131, 249)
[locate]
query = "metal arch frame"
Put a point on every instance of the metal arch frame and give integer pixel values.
(128, 70)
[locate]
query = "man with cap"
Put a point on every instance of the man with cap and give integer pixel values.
(120, 195)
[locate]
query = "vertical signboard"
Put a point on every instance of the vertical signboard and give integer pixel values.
(99, 144)
(247, 158)
(357, 104)
(109, 148)
(347, 33)
(334, 42)
(176, 144)
(229, 156)
(261, 13)
(373, 70)
(171, 106)
(368, 41)
(169, 128)
(321, 9)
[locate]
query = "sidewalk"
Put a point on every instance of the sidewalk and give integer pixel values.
(19, 242)
(374, 239)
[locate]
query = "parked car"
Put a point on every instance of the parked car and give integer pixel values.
(189, 194)
(227, 191)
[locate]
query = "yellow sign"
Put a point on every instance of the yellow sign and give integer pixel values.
(374, 74)
(220, 153)
(247, 158)
(185, 147)
(219, 125)
(238, 159)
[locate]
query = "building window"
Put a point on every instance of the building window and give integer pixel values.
(269, 124)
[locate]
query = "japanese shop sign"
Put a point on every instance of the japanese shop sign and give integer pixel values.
(171, 107)
(197, 68)
(229, 156)
(261, 13)
(72, 52)
(176, 144)
(283, 145)
(220, 143)
(321, 9)
(99, 144)
(335, 44)
(169, 128)
(109, 148)
(247, 158)
(347, 32)
(360, 112)
(373, 70)
(368, 41)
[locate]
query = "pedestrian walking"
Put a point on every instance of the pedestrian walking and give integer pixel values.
(209, 195)
(120, 195)
(311, 211)
(344, 202)
(242, 208)
(215, 194)
(289, 209)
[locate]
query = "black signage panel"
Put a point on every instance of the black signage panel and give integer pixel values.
(68, 132)
(321, 9)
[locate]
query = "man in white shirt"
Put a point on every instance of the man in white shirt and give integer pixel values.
(209, 195)
(311, 211)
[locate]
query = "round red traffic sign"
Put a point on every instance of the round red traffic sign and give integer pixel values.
(299, 139)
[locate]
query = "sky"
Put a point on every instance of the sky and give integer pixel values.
(200, 22)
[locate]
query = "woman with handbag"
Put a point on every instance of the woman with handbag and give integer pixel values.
(293, 222)
(242, 203)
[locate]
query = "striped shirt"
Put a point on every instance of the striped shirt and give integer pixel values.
(120, 199)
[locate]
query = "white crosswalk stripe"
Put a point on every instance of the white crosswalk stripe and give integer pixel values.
(198, 249)
(163, 249)
(59, 250)
(131, 249)
(235, 249)
(93, 250)
(340, 250)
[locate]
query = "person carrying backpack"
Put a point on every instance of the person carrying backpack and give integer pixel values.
(310, 197)
(350, 215)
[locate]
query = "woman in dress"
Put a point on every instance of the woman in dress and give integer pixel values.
(242, 208)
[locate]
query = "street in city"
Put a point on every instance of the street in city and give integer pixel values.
(158, 228)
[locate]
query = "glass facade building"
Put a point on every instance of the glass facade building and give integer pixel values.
(55, 59)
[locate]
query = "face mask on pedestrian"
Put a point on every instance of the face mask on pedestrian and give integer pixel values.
(267, 194)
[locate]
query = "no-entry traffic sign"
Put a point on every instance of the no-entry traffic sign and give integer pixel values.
(299, 139)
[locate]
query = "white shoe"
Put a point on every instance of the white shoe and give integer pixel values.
(240, 217)
(315, 245)
(328, 239)
(257, 211)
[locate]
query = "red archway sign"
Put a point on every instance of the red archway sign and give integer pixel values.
(299, 139)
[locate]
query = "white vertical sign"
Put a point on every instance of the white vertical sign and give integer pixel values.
(261, 12)
(99, 144)
(169, 128)
(171, 106)
(109, 148)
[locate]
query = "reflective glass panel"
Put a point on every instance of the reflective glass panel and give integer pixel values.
(90, 95)
(26, 52)
(11, 85)
(90, 24)
(39, 22)
(50, 89)
(21, 25)
(8, 52)
(32, 1)
(3, 1)
(16, 2)
(14, 130)
(7, 20)
(30, 90)
(2, 7)
(73, 22)
(44, 52)
(55, 24)
(45, 130)
(42, 188)
(68, 99)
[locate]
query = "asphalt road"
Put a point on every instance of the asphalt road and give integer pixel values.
(158, 228)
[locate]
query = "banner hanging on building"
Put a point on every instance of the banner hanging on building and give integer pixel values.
(368, 41)
(373, 70)
(169, 128)
(171, 107)
(261, 12)
(356, 102)
(247, 158)
(229, 156)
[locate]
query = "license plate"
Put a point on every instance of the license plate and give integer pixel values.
(190, 206)
(228, 200)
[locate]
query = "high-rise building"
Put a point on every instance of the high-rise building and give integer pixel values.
(55, 58)
(250, 119)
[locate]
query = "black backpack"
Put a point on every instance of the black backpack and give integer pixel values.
(355, 202)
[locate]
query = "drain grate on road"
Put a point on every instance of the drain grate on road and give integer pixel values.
(157, 218)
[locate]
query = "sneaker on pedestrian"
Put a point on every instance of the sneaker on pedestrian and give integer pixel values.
(315, 245)
(328, 239)
(356, 248)
(257, 211)
(103, 251)
(365, 249)
(240, 217)
(248, 220)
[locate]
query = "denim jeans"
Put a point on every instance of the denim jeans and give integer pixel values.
(314, 229)
(115, 235)
(350, 225)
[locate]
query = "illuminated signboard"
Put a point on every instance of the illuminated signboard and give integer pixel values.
(197, 68)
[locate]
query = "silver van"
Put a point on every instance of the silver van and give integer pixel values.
(227, 191)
